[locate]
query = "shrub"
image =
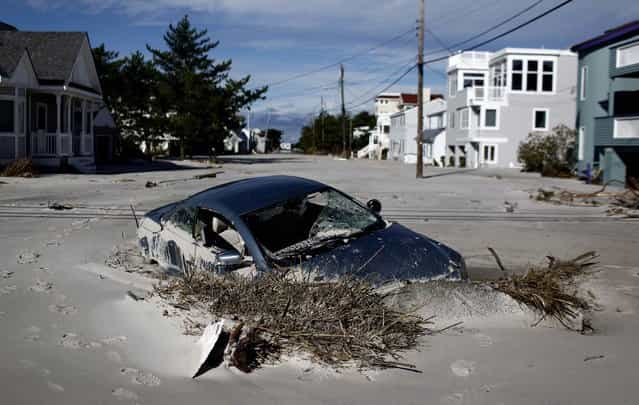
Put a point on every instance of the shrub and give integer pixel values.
(19, 168)
(549, 154)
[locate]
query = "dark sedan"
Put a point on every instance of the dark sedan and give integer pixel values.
(282, 221)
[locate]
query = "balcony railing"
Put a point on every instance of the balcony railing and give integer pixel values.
(626, 128)
(469, 60)
(483, 94)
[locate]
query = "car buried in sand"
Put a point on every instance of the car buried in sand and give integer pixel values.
(272, 222)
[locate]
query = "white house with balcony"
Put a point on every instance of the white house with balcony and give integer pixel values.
(403, 133)
(496, 99)
(386, 104)
(49, 95)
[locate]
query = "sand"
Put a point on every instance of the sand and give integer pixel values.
(72, 335)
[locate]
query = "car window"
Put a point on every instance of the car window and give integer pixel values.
(299, 224)
(215, 232)
(183, 218)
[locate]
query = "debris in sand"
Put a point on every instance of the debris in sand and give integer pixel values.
(510, 207)
(59, 206)
(55, 387)
(598, 357)
(136, 296)
(150, 184)
(116, 181)
(27, 257)
(623, 203)
(127, 258)
(335, 322)
(552, 291)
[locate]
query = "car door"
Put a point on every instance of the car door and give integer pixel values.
(177, 233)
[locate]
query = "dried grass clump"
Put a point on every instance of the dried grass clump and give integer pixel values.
(20, 168)
(335, 322)
(551, 290)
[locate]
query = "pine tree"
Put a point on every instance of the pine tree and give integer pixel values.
(204, 100)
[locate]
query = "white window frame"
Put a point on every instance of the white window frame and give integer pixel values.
(461, 118)
(540, 74)
(483, 118)
(534, 116)
(583, 82)
(617, 134)
(452, 85)
(495, 154)
(581, 147)
(622, 48)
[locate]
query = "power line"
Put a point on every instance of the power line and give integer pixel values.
(510, 31)
(346, 59)
(498, 25)
(492, 39)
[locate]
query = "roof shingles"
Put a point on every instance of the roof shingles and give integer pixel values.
(53, 53)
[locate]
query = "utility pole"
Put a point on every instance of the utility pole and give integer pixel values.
(341, 85)
(350, 138)
(420, 92)
(322, 119)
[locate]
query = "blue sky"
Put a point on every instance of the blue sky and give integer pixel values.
(276, 39)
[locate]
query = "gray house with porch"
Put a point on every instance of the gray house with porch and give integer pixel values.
(496, 99)
(49, 94)
(608, 103)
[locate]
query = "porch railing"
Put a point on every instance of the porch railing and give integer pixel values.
(44, 144)
(482, 94)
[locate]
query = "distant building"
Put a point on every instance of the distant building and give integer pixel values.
(237, 142)
(387, 104)
(49, 95)
(403, 133)
(608, 103)
(495, 100)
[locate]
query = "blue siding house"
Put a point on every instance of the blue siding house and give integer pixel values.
(608, 103)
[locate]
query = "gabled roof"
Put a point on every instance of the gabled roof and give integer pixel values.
(53, 53)
(612, 35)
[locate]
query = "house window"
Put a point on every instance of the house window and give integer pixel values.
(6, 116)
(490, 118)
(517, 75)
(540, 119)
(582, 137)
(428, 151)
(452, 85)
(452, 119)
(628, 55)
(583, 83)
(386, 129)
(489, 154)
(473, 80)
(532, 75)
(547, 81)
(464, 120)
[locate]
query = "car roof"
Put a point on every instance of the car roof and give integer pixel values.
(243, 196)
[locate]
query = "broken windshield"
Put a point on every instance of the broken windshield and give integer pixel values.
(305, 223)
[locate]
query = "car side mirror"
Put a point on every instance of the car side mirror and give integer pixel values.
(374, 205)
(228, 259)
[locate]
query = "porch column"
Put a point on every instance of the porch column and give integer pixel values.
(15, 123)
(58, 117)
(84, 123)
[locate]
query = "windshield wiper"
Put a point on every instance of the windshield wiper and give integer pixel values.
(308, 246)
